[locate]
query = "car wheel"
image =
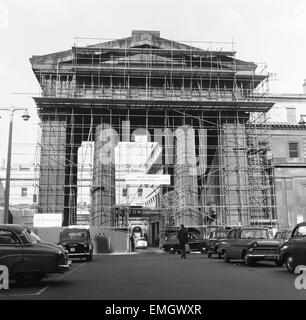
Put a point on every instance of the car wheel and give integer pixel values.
(289, 263)
(27, 279)
(279, 263)
(246, 260)
(226, 257)
(171, 250)
(209, 254)
(202, 249)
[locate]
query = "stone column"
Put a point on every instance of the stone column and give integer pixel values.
(103, 188)
(185, 178)
(234, 174)
(52, 166)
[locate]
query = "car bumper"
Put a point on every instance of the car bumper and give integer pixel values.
(64, 267)
(80, 254)
(271, 257)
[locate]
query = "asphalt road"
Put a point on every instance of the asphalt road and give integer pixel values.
(151, 275)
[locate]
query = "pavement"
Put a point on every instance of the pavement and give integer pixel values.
(156, 275)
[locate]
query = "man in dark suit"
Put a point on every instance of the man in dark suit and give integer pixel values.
(182, 236)
(132, 240)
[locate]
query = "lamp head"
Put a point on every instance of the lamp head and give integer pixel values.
(26, 115)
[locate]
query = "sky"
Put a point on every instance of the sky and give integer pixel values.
(264, 31)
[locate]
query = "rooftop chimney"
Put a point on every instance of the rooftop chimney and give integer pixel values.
(141, 32)
(304, 87)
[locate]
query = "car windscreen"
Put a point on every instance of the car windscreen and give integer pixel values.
(300, 232)
(68, 235)
(142, 239)
(194, 237)
(27, 238)
(221, 234)
(286, 235)
(256, 234)
(34, 235)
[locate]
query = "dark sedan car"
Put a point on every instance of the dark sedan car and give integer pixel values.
(196, 243)
(77, 242)
(214, 241)
(251, 244)
(27, 259)
(293, 251)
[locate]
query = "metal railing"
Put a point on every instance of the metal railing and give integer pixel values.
(124, 93)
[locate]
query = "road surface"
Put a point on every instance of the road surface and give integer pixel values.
(161, 276)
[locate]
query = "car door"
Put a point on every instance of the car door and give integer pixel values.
(230, 242)
(192, 241)
(298, 245)
(212, 240)
(10, 249)
(237, 245)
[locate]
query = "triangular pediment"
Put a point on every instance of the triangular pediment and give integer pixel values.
(143, 46)
(139, 39)
(144, 39)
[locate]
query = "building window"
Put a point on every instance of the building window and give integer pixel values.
(34, 198)
(293, 150)
(291, 115)
(24, 192)
(124, 192)
(139, 191)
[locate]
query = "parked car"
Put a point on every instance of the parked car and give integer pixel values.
(283, 235)
(141, 243)
(27, 259)
(174, 230)
(293, 251)
(251, 244)
(77, 242)
(214, 240)
(195, 241)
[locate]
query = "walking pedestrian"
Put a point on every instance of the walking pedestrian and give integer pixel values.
(132, 243)
(182, 236)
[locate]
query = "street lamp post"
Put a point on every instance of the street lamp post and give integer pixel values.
(127, 220)
(25, 117)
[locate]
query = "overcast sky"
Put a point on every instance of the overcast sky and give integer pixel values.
(267, 31)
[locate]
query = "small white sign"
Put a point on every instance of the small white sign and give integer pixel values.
(147, 179)
(48, 220)
(77, 226)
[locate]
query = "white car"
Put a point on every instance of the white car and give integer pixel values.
(141, 243)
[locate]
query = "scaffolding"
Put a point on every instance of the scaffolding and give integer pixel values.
(203, 108)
